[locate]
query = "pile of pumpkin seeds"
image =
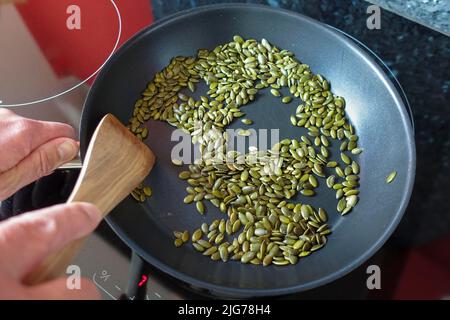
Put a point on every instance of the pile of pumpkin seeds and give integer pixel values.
(262, 225)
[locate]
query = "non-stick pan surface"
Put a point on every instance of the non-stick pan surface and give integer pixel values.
(373, 106)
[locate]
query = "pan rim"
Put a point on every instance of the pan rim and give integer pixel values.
(255, 292)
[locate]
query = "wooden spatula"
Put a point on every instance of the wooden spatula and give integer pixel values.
(116, 162)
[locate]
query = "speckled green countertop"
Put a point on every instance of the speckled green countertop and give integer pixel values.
(431, 13)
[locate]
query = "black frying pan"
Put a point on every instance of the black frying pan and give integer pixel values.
(374, 107)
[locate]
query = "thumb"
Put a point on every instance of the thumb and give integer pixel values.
(39, 163)
(58, 290)
(26, 240)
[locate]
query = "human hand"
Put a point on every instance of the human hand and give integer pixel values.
(26, 240)
(31, 149)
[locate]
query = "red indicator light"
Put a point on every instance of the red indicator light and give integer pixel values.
(143, 281)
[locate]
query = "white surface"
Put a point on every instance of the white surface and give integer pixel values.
(25, 73)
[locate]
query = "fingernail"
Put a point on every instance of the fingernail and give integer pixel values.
(67, 150)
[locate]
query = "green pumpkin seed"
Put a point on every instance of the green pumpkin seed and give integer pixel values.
(248, 256)
(147, 191)
(184, 175)
(313, 181)
(330, 181)
(323, 215)
(341, 205)
(244, 133)
(185, 236)
(223, 251)
(286, 99)
(391, 177)
(197, 235)
(281, 263)
(275, 92)
(356, 151)
(189, 198)
(200, 207)
(352, 200)
(255, 195)
(178, 234)
(198, 247)
(267, 260)
(345, 158)
(332, 164)
(210, 251)
(178, 242)
(355, 167)
(307, 192)
(177, 162)
(205, 244)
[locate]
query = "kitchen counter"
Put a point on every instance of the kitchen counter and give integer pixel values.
(432, 13)
(419, 57)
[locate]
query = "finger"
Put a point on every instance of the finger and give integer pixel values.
(10, 290)
(59, 290)
(27, 239)
(20, 136)
(39, 163)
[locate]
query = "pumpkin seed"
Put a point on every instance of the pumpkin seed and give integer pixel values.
(189, 198)
(210, 251)
(200, 207)
(244, 133)
(178, 242)
(223, 251)
(198, 247)
(247, 256)
(323, 215)
(330, 181)
(177, 162)
(255, 195)
(184, 175)
(341, 205)
(275, 92)
(391, 177)
(197, 235)
(307, 192)
(345, 158)
(286, 99)
(185, 236)
(147, 191)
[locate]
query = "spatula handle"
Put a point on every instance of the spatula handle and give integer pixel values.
(56, 264)
(106, 178)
